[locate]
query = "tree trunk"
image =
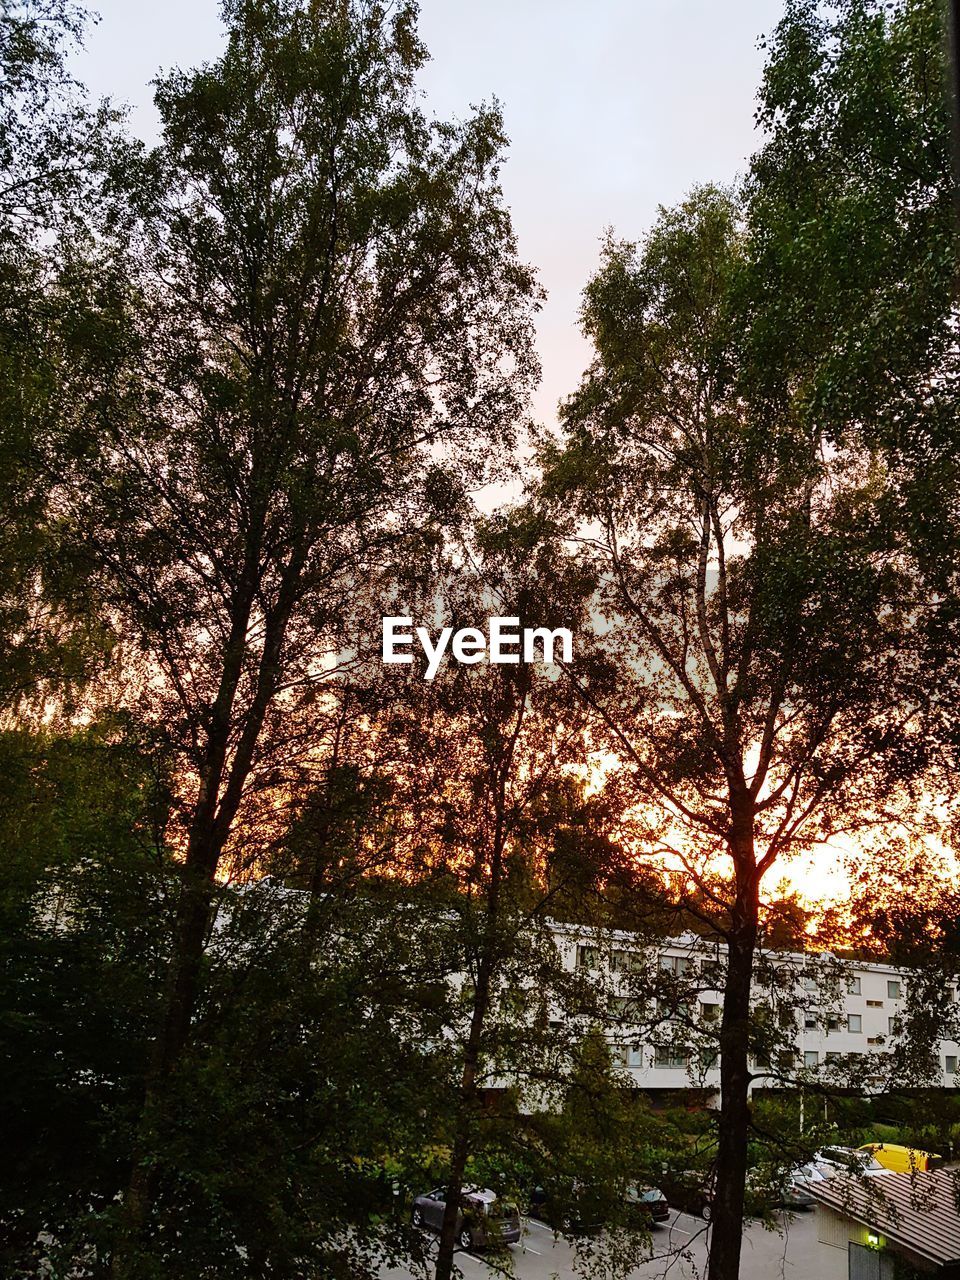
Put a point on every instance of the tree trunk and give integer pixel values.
(183, 977)
(734, 1123)
(216, 805)
(731, 1167)
(466, 1111)
(490, 958)
(448, 1230)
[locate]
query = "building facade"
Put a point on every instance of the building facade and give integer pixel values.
(837, 1019)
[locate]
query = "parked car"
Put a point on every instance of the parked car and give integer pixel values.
(483, 1219)
(901, 1159)
(850, 1160)
(571, 1208)
(585, 1208)
(797, 1193)
(691, 1190)
(647, 1202)
(773, 1188)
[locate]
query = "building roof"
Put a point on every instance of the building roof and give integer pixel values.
(920, 1211)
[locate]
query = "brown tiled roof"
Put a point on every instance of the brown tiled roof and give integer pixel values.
(920, 1211)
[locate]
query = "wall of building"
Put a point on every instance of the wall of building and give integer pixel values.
(834, 1234)
(857, 1016)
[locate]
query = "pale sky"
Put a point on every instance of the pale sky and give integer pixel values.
(613, 107)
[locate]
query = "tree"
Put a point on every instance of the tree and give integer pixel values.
(300, 1096)
(759, 671)
(596, 1146)
(319, 338)
(55, 156)
(853, 240)
(300, 1110)
(484, 755)
(84, 905)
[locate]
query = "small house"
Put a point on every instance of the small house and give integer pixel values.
(886, 1227)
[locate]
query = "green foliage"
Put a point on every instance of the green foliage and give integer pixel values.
(772, 382)
(55, 154)
(247, 385)
(854, 270)
(303, 1087)
(597, 1142)
(302, 1099)
(83, 940)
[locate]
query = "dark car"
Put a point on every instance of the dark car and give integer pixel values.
(564, 1210)
(483, 1219)
(769, 1189)
(690, 1190)
(585, 1208)
(648, 1203)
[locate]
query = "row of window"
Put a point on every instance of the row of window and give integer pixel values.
(854, 1022)
(663, 1056)
(625, 1007)
(894, 992)
(667, 1056)
(894, 989)
(589, 957)
(622, 961)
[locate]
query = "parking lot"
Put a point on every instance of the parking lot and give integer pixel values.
(678, 1252)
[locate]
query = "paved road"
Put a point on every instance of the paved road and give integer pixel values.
(678, 1252)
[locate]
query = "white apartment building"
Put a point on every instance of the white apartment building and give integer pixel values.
(840, 1008)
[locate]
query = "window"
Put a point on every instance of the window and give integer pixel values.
(874, 1004)
(668, 1056)
(893, 990)
(624, 1008)
(712, 971)
(809, 984)
(709, 1012)
(853, 986)
(809, 1022)
(833, 1023)
(853, 1022)
(893, 1026)
(874, 1039)
(625, 961)
(950, 1062)
(709, 1059)
(672, 1011)
(831, 1057)
(635, 1056)
(618, 1055)
(676, 964)
(811, 1058)
(786, 1016)
(786, 1060)
(587, 958)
